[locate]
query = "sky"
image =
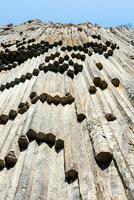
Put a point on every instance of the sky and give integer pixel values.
(103, 12)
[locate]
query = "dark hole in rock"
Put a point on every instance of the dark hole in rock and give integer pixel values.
(71, 176)
(113, 46)
(34, 100)
(108, 43)
(41, 66)
(49, 99)
(52, 56)
(17, 81)
(104, 47)
(32, 95)
(7, 85)
(46, 68)
(63, 101)
(65, 66)
(2, 87)
(56, 100)
(77, 68)
(47, 59)
(73, 55)
(22, 110)
(63, 48)
(28, 76)
(70, 99)
(12, 84)
(2, 164)
(78, 56)
(21, 105)
(56, 63)
(110, 117)
(61, 69)
(35, 72)
(50, 139)
(70, 62)
(31, 134)
(66, 57)
(75, 48)
(23, 78)
(23, 142)
(106, 55)
(103, 85)
(12, 114)
(43, 97)
(57, 54)
(85, 50)
(103, 160)
(70, 73)
(92, 89)
(59, 145)
(60, 42)
(110, 52)
(53, 68)
(10, 160)
(61, 60)
(85, 45)
(69, 48)
(115, 82)
(80, 117)
(99, 66)
(80, 29)
(40, 138)
(4, 119)
(97, 81)
(83, 57)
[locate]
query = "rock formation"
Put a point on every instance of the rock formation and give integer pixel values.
(66, 112)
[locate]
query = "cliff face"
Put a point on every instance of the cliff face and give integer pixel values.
(66, 112)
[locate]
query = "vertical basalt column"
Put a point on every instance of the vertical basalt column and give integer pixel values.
(102, 152)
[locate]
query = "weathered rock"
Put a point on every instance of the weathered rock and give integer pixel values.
(35, 72)
(28, 76)
(92, 89)
(110, 117)
(13, 114)
(56, 100)
(43, 97)
(70, 73)
(97, 81)
(115, 82)
(2, 164)
(34, 100)
(41, 137)
(50, 139)
(23, 142)
(103, 85)
(4, 119)
(31, 134)
(10, 160)
(80, 117)
(71, 176)
(99, 66)
(59, 145)
(33, 94)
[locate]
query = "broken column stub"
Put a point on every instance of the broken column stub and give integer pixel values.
(10, 159)
(102, 152)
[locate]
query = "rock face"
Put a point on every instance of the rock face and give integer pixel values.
(66, 112)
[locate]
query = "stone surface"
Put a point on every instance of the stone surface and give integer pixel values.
(73, 89)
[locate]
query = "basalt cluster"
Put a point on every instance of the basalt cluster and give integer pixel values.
(66, 112)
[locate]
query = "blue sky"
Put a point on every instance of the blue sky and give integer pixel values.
(103, 12)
